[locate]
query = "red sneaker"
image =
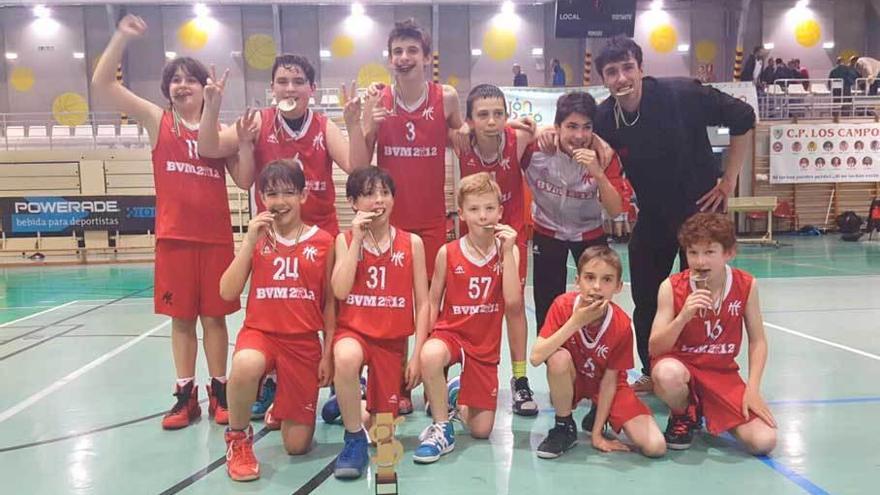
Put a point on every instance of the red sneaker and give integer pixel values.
(217, 407)
(241, 463)
(272, 424)
(186, 410)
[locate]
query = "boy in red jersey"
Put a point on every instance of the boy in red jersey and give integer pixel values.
(697, 335)
(498, 149)
(289, 130)
(475, 278)
(587, 344)
(380, 281)
(190, 255)
(289, 301)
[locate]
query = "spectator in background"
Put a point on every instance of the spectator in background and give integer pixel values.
(558, 72)
(519, 79)
(768, 75)
(848, 76)
(782, 72)
(869, 68)
(754, 66)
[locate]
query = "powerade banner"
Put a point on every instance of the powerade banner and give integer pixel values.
(65, 214)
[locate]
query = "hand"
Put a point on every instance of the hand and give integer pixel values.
(586, 313)
(548, 140)
(214, 88)
(257, 224)
(351, 104)
(375, 88)
(360, 223)
(461, 139)
(131, 27)
(413, 374)
(602, 444)
(246, 126)
(325, 370)
(699, 299)
(588, 159)
(374, 113)
(752, 401)
(716, 198)
(524, 124)
(507, 236)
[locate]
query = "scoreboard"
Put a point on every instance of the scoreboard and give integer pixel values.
(595, 18)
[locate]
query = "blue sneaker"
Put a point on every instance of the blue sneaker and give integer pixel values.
(353, 459)
(266, 398)
(438, 439)
(453, 387)
(331, 413)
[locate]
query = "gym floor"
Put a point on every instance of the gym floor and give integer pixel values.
(86, 373)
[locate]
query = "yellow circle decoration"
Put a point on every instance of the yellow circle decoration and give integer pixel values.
(706, 50)
(847, 54)
(22, 79)
(259, 51)
(499, 43)
(453, 80)
(192, 35)
(342, 46)
(663, 38)
(371, 73)
(70, 109)
(807, 33)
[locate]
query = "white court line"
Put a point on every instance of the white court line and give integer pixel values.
(33, 399)
(823, 341)
(28, 317)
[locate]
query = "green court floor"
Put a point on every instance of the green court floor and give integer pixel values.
(86, 374)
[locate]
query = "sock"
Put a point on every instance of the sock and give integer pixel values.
(566, 421)
(519, 369)
(273, 376)
(221, 379)
(182, 382)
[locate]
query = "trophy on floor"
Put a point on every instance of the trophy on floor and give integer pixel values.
(388, 452)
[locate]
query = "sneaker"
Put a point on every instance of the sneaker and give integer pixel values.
(438, 439)
(241, 463)
(679, 431)
(404, 406)
(590, 419)
(523, 399)
(330, 412)
(644, 385)
(453, 387)
(353, 459)
(266, 398)
(272, 423)
(217, 407)
(186, 410)
(559, 439)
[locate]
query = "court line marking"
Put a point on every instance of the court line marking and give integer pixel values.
(58, 384)
(73, 327)
(34, 315)
(790, 474)
(823, 341)
(317, 480)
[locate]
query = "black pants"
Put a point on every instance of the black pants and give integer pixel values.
(549, 260)
(652, 251)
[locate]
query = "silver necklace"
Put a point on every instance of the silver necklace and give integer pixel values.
(619, 116)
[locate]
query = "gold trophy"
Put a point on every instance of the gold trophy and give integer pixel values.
(389, 451)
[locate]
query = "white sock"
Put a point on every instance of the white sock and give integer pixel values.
(182, 382)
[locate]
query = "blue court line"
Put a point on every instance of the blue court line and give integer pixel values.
(821, 402)
(796, 478)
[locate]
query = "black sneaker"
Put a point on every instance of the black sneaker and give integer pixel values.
(559, 439)
(679, 432)
(590, 419)
(523, 399)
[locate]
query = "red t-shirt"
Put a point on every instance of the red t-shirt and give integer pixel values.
(712, 338)
(308, 147)
(381, 303)
(507, 172)
(473, 303)
(594, 348)
(192, 203)
(288, 286)
(411, 146)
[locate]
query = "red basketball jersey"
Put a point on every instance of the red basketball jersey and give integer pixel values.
(712, 338)
(381, 302)
(411, 146)
(594, 348)
(191, 199)
(506, 171)
(308, 147)
(473, 303)
(288, 284)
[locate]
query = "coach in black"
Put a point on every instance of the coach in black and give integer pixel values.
(658, 127)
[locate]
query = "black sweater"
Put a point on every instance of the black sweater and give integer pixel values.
(666, 155)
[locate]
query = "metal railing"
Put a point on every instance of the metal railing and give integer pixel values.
(814, 98)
